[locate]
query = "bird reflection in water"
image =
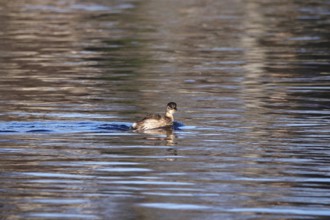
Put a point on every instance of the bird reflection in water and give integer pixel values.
(159, 133)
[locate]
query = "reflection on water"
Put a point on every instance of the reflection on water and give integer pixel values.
(252, 78)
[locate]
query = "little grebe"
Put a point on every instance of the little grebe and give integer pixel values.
(153, 121)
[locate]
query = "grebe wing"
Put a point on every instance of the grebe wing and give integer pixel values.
(152, 116)
(151, 121)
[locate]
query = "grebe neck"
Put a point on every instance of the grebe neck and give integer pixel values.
(169, 114)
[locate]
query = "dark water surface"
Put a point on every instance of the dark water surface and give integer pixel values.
(252, 83)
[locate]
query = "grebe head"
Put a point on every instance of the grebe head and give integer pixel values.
(171, 107)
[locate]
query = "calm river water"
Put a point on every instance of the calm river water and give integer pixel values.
(252, 84)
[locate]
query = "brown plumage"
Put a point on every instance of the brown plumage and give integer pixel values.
(153, 121)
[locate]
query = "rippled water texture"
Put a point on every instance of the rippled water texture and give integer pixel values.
(252, 84)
